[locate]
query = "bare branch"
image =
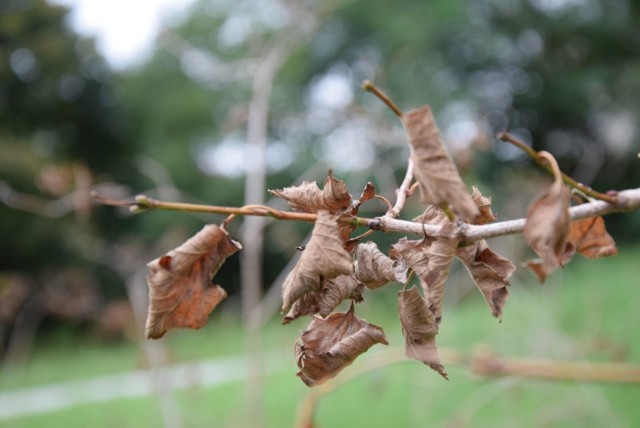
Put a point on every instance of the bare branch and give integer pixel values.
(403, 191)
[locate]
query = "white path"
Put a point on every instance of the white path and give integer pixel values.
(139, 383)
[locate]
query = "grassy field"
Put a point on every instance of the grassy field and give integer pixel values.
(589, 311)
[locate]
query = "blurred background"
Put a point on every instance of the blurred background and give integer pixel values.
(215, 101)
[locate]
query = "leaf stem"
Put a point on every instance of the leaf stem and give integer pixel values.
(368, 86)
(508, 138)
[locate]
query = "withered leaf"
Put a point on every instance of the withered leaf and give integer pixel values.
(484, 205)
(308, 197)
(323, 258)
(419, 328)
(438, 178)
(323, 301)
(330, 344)
(368, 193)
(547, 224)
(591, 239)
(181, 292)
(431, 261)
(375, 269)
(490, 273)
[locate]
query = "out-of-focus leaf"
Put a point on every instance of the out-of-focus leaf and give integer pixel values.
(490, 273)
(330, 344)
(181, 292)
(323, 258)
(547, 225)
(484, 205)
(374, 269)
(419, 328)
(437, 175)
(591, 239)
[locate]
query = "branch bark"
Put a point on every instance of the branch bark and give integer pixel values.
(628, 200)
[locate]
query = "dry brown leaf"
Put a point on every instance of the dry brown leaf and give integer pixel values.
(431, 261)
(490, 273)
(591, 239)
(323, 258)
(484, 205)
(308, 197)
(437, 175)
(330, 344)
(419, 328)
(368, 193)
(547, 225)
(181, 292)
(375, 269)
(432, 215)
(322, 302)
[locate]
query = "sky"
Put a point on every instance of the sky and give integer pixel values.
(124, 29)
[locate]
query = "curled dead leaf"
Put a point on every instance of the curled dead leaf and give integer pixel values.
(375, 269)
(323, 301)
(368, 193)
(431, 260)
(591, 239)
(330, 344)
(419, 328)
(323, 258)
(181, 292)
(307, 197)
(547, 224)
(490, 273)
(484, 205)
(438, 178)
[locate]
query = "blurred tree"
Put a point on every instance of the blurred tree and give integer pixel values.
(558, 74)
(60, 132)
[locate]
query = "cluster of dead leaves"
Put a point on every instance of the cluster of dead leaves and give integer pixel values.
(551, 234)
(334, 267)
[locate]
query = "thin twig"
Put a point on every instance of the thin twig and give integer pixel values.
(556, 370)
(385, 200)
(403, 191)
(145, 203)
(506, 137)
(368, 85)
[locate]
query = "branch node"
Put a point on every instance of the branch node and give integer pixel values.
(376, 224)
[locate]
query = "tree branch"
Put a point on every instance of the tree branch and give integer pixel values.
(628, 200)
(506, 137)
(403, 191)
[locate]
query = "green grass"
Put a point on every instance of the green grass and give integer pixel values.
(586, 312)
